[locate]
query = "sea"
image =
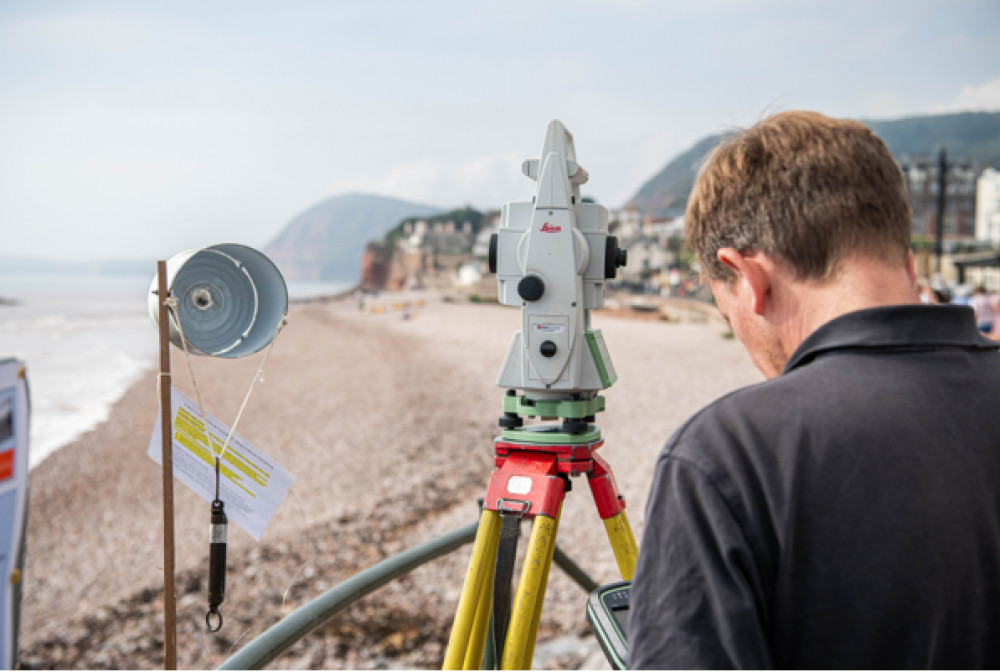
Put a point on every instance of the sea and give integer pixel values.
(85, 338)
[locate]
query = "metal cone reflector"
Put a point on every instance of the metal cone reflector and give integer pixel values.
(230, 300)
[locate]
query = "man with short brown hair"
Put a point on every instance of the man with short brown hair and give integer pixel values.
(846, 512)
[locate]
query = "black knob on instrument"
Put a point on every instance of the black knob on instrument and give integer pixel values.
(531, 288)
(494, 242)
(614, 257)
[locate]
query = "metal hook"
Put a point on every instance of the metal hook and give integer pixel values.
(208, 620)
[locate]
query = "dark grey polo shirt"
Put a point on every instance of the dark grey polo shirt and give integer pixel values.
(845, 514)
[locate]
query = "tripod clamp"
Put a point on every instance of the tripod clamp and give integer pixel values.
(521, 510)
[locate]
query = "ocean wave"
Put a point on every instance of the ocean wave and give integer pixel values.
(81, 354)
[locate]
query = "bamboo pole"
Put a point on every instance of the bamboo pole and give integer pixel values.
(166, 427)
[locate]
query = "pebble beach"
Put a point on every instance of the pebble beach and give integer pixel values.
(386, 420)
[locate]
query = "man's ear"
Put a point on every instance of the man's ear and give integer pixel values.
(753, 276)
(911, 267)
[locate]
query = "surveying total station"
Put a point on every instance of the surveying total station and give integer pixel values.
(552, 257)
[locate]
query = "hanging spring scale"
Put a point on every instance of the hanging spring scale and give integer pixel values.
(216, 559)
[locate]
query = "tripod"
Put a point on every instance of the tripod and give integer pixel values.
(534, 465)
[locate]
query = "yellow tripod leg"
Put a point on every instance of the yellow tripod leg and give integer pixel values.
(537, 616)
(622, 543)
(474, 652)
(478, 579)
(530, 593)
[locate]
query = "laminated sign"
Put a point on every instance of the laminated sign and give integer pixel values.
(251, 484)
(14, 460)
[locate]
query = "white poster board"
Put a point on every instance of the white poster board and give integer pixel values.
(14, 459)
(252, 485)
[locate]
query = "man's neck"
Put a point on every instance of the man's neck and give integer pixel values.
(804, 306)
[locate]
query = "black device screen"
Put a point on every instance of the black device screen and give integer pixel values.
(620, 614)
(607, 613)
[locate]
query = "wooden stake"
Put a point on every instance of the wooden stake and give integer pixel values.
(166, 426)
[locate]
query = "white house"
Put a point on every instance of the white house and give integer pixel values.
(988, 207)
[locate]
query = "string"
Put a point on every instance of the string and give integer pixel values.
(309, 545)
(256, 379)
(175, 320)
(211, 657)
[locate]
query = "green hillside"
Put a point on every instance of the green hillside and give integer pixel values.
(973, 136)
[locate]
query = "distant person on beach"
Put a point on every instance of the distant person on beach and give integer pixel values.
(982, 304)
(846, 512)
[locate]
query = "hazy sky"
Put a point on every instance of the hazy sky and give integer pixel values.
(138, 129)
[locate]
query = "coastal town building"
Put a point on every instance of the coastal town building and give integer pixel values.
(647, 258)
(922, 175)
(421, 254)
(626, 223)
(988, 207)
(440, 237)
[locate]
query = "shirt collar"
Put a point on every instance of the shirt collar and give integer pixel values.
(906, 326)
